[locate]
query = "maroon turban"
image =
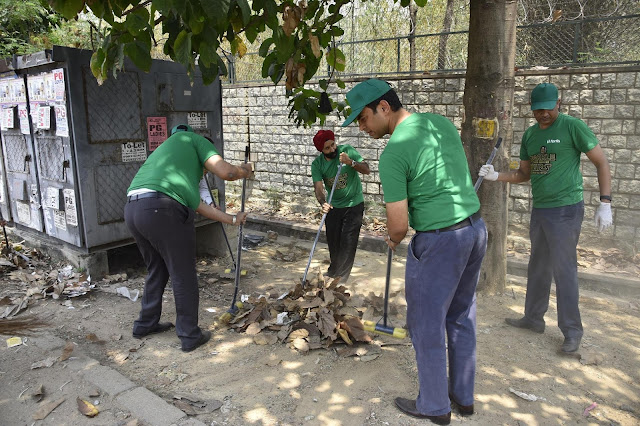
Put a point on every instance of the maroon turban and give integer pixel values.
(321, 137)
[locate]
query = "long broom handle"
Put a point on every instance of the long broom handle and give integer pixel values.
(223, 231)
(386, 289)
(489, 161)
(324, 216)
(239, 254)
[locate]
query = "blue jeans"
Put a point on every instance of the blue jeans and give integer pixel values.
(442, 273)
(554, 234)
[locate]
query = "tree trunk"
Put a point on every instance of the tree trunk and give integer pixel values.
(413, 20)
(488, 97)
(446, 27)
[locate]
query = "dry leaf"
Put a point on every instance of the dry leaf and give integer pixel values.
(301, 345)
(66, 351)
(345, 336)
(253, 329)
(315, 45)
(265, 339)
(87, 408)
(46, 409)
(44, 363)
(300, 333)
(38, 393)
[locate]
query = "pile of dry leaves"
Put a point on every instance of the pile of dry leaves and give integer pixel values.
(316, 316)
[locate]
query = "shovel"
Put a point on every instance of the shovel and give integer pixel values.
(324, 216)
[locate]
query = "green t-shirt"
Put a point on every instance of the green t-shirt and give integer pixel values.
(554, 154)
(424, 162)
(348, 191)
(175, 168)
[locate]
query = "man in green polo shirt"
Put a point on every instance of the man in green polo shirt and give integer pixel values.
(344, 214)
(162, 201)
(550, 156)
(427, 185)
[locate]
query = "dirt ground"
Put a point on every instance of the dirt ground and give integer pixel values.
(275, 384)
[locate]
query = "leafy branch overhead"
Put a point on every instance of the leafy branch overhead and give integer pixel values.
(194, 32)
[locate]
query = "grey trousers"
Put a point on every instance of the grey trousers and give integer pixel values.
(164, 231)
(554, 234)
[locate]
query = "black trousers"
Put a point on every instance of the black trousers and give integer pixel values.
(164, 231)
(343, 229)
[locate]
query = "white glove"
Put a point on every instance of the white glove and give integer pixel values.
(205, 194)
(488, 173)
(603, 217)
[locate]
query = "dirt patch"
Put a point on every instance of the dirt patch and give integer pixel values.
(267, 383)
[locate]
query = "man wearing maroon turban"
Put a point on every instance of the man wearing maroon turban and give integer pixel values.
(344, 214)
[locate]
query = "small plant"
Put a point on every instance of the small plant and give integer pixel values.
(275, 199)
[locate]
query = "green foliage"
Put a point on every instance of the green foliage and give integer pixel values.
(20, 21)
(274, 196)
(299, 35)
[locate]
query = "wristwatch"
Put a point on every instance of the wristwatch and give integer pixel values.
(233, 221)
(605, 197)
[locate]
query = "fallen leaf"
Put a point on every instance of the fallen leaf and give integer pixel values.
(300, 333)
(44, 363)
(66, 351)
(345, 336)
(186, 407)
(301, 345)
(87, 408)
(38, 393)
(46, 409)
(253, 329)
(265, 339)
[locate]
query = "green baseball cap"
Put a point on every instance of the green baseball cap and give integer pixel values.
(181, 128)
(362, 95)
(544, 96)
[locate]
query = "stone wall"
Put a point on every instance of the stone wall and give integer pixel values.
(608, 100)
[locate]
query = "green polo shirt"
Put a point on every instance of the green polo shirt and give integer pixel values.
(424, 162)
(175, 168)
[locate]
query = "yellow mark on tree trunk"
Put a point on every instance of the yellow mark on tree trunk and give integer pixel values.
(485, 128)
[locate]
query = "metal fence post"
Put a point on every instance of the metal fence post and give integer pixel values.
(398, 53)
(576, 41)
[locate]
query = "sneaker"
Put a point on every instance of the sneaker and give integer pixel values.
(525, 323)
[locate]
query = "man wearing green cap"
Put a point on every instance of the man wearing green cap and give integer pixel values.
(550, 156)
(162, 200)
(427, 185)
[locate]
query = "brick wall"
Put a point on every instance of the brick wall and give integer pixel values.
(608, 100)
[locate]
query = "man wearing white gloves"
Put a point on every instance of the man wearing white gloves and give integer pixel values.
(550, 157)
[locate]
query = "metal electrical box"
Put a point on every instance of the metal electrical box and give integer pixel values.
(71, 147)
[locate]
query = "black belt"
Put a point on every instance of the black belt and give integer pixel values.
(462, 224)
(147, 195)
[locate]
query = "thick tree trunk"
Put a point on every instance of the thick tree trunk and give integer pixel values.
(446, 27)
(488, 98)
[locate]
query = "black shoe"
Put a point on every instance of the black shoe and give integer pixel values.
(571, 344)
(408, 406)
(161, 327)
(464, 410)
(525, 323)
(204, 338)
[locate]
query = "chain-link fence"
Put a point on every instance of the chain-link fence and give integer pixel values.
(575, 43)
